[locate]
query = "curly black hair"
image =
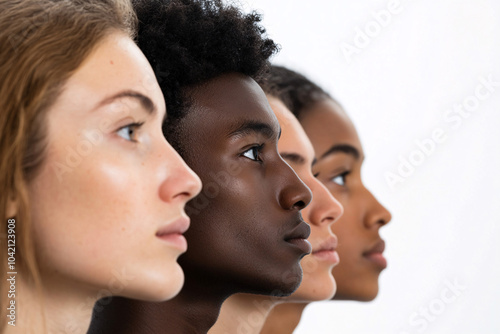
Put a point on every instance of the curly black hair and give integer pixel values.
(189, 42)
(298, 93)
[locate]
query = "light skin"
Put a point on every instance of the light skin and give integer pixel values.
(247, 231)
(340, 157)
(246, 312)
(108, 203)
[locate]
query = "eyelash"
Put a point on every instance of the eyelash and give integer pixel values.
(256, 149)
(133, 127)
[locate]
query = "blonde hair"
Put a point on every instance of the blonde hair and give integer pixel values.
(42, 43)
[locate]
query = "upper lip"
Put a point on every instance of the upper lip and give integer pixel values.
(302, 230)
(179, 225)
(379, 247)
(329, 244)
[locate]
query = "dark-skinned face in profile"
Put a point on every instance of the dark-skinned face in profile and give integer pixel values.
(246, 228)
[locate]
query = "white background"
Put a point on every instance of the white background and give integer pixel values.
(446, 214)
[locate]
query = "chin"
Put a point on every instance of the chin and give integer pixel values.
(316, 290)
(288, 283)
(364, 293)
(285, 290)
(316, 296)
(161, 286)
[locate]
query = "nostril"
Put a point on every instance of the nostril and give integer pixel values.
(300, 205)
(183, 195)
(382, 222)
(329, 220)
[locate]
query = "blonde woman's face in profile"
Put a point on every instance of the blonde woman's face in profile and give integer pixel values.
(108, 203)
(296, 149)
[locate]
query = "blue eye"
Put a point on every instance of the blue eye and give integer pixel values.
(129, 132)
(253, 153)
(340, 179)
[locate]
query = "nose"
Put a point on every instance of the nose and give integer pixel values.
(325, 209)
(376, 214)
(181, 183)
(294, 194)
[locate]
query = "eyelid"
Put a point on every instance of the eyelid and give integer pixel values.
(344, 174)
(339, 170)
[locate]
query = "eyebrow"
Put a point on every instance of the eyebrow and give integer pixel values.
(293, 157)
(342, 148)
(145, 101)
(252, 127)
(296, 158)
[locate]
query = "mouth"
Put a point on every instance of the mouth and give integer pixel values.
(327, 250)
(375, 255)
(298, 237)
(172, 233)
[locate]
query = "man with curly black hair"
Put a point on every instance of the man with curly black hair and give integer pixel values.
(247, 233)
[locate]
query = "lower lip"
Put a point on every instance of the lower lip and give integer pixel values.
(378, 259)
(327, 256)
(303, 244)
(175, 239)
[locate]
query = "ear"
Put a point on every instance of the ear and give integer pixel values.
(11, 207)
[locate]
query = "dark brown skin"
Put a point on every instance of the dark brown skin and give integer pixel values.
(241, 223)
(327, 126)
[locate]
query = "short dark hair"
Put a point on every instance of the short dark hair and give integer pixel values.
(189, 42)
(297, 92)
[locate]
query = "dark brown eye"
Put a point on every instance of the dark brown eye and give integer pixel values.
(340, 179)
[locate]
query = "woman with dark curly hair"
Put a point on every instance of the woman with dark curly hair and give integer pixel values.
(247, 233)
(92, 195)
(339, 157)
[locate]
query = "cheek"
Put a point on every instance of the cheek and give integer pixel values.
(228, 212)
(83, 221)
(233, 225)
(307, 215)
(95, 190)
(350, 234)
(229, 194)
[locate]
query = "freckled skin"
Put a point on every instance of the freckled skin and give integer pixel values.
(238, 222)
(97, 203)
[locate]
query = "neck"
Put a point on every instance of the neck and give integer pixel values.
(194, 310)
(243, 313)
(56, 308)
(284, 318)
